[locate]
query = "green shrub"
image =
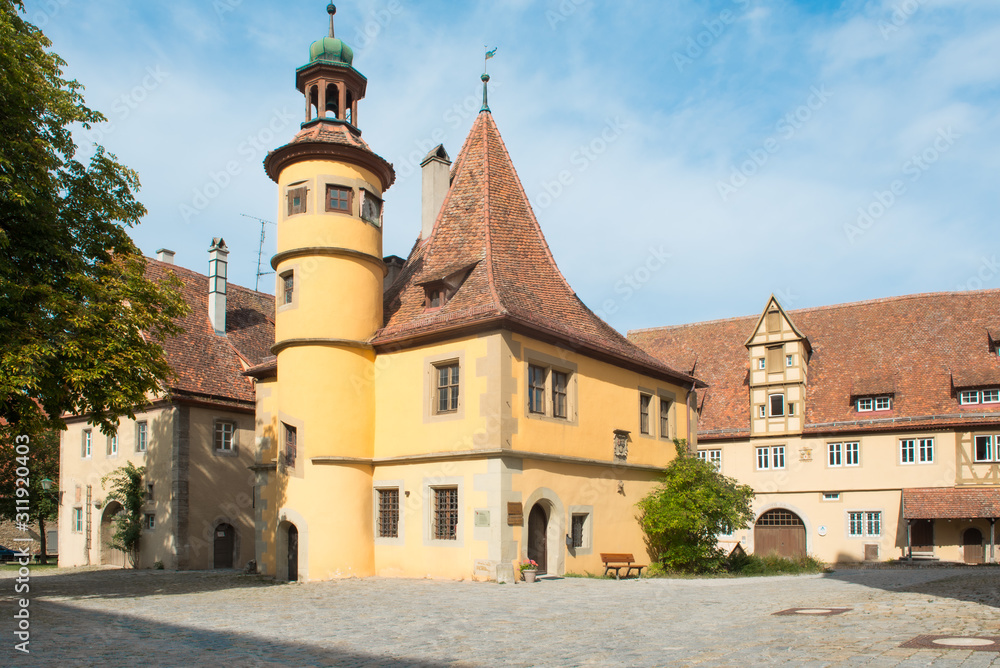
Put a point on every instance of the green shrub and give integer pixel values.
(771, 564)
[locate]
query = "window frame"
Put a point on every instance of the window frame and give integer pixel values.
(770, 405)
(645, 400)
(666, 406)
(773, 355)
(992, 454)
(289, 445)
(287, 279)
(761, 364)
(76, 520)
(888, 403)
(789, 361)
(916, 451)
(541, 394)
(865, 404)
(712, 456)
(149, 522)
(452, 388)
(834, 455)
(303, 207)
(436, 521)
(852, 448)
(113, 445)
(141, 436)
(87, 444)
(383, 509)
(349, 209)
(864, 520)
(233, 440)
(586, 512)
(537, 381)
(772, 456)
(560, 397)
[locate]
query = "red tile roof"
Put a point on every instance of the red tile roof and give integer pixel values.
(486, 227)
(912, 346)
(325, 139)
(950, 503)
(207, 364)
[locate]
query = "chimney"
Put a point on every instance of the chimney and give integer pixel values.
(437, 179)
(165, 255)
(217, 262)
(393, 265)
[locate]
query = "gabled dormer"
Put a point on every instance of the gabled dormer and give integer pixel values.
(779, 368)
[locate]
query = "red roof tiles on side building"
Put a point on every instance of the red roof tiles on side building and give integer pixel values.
(950, 503)
(486, 239)
(205, 363)
(920, 348)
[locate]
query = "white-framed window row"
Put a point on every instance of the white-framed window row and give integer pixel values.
(873, 403)
(843, 454)
(985, 396)
(986, 448)
(770, 457)
(713, 457)
(864, 523)
(916, 451)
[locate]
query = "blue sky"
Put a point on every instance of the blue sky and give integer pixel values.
(685, 159)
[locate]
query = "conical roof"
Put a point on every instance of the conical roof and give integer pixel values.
(487, 243)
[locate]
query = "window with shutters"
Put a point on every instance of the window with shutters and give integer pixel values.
(773, 322)
(297, 198)
(445, 518)
(371, 208)
(339, 199)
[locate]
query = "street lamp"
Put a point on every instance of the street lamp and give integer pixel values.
(48, 484)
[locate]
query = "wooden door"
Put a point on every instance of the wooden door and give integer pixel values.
(538, 524)
(293, 553)
(225, 539)
(972, 546)
(922, 536)
(779, 532)
(109, 555)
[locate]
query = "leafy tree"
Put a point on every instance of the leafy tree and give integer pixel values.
(684, 516)
(128, 489)
(80, 324)
(39, 456)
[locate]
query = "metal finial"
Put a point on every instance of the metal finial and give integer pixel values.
(486, 81)
(331, 9)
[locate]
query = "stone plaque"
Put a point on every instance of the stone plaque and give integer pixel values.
(482, 518)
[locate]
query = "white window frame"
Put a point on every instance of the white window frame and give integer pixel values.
(831, 496)
(969, 397)
(141, 436)
(232, 435)
(925, 450)
(113, 445)
(770, 405)
(866, 521)
(88, 444)
(770, 457)
(762, 411)
(916, 451)
(886, 403)
(713, 457)
(994, 396)
(865, 404)
(834, 454)
(761, 364)
(852, 453)
(77, 526)
(789, 361)
(991, 448)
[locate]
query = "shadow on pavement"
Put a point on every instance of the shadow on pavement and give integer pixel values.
(976, 584)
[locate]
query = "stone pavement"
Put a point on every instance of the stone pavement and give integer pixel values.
(157, 618)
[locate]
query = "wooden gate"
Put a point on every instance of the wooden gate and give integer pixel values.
(779, 532)
(972, 546)
(225, 539)
(538, 525)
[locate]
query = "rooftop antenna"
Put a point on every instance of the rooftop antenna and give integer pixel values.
(260, 249)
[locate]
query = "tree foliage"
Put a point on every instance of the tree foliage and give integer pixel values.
(128, 489)
(39, 457)
(80, 324)
(694, 504)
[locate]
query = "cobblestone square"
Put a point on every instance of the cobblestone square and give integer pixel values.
(155, 618)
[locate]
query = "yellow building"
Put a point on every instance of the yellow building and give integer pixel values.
(869, 431)
(195, 439)
(473, 414)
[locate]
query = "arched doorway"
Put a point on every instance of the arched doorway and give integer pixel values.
(781, 532)
(538, 526)
(225, 546)
(109, 555)
(972, 546)
(293, 553)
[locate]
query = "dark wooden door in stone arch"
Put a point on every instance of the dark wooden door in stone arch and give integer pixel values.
(538, 526)
(780, 532)
(293, 553)
(225, 542)
(972, 546)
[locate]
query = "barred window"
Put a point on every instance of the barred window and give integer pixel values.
(579, 521)
(388, 513)
(445, 521)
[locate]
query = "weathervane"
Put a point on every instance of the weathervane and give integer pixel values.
(486, 76)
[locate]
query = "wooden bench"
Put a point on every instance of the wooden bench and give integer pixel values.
(616, 561)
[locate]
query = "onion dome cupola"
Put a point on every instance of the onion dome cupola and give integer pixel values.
(329, 81)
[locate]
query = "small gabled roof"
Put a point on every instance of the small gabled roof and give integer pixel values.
(486, 228)
(763, 314)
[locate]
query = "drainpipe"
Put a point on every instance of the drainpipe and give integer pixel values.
(909, 545)
(993, 558)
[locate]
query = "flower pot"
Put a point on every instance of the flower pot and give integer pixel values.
(529, 576)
